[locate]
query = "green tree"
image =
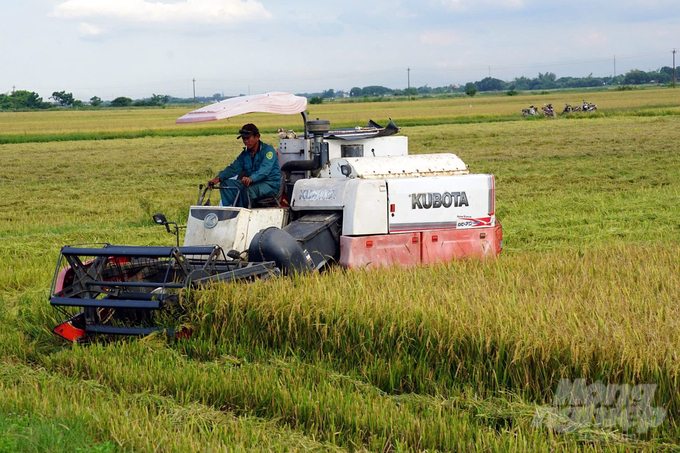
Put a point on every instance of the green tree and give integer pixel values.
(121, 101)
(22, 100)
(328, 94)
(667, 70)
(546, 81)
(5, 102)
(376, 90)
(470, 89)
(63, 98)
(490, 84)
(316, 100)
(661, 77)
(521, 83)
(636, 77)
(95, 101)
(355, 92)
(406, 91)
(160, 99)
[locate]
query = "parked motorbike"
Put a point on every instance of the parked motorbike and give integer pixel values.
(531, 111)
(548, 110)
(588, 107)
(569, 109)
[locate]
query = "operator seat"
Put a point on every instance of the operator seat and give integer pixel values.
(275, 201)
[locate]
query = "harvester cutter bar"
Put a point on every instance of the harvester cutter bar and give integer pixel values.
(116, 330)
(107, 303)
(261, 270)
(133, 284)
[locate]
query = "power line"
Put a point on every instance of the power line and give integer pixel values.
(487, 68)
(538, 65)
(117, 87)
(348, 76)
(306, 78)
(356, 74)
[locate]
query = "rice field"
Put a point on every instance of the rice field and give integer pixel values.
(93, 124)
(458, 357)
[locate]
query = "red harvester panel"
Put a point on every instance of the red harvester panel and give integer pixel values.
(409, 249)
(446, 245)
(380, 250)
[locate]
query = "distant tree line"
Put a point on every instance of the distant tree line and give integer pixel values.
(28, 100)
(546, 81)
(549, 80)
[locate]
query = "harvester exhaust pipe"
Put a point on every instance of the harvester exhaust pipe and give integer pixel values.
(319, 149)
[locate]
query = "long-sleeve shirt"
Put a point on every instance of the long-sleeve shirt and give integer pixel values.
(262, 168)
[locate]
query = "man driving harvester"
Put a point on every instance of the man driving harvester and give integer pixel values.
(256, 169)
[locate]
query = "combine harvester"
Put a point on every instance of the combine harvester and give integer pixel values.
(354, 197)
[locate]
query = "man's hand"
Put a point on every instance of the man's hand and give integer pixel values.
(246, 181)
(215, 180)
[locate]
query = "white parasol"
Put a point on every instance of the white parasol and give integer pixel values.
(275, 102)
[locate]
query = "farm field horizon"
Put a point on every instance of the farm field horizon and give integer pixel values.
(464, 356)
(125, 122)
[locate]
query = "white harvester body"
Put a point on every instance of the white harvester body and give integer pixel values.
(229, 227)
(389, 207)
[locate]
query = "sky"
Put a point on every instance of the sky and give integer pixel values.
(136, 48)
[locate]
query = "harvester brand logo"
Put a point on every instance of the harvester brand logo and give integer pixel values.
(438, 200)
(210, 220)
(317, 195)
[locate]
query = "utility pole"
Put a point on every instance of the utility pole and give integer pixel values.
(614, 66)
(673, 68)
(408, 75)
(14, 97)
(194, 80)
(489, 71)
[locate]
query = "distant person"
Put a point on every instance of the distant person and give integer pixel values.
(256, 170)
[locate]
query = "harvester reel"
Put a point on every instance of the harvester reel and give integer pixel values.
(116, 289)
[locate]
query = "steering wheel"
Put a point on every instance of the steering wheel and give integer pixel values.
(202, 201)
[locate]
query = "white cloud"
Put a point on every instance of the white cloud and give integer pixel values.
(188, 11)
(441, 38)
(89, 29)
(591, 39)
(464, 5)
